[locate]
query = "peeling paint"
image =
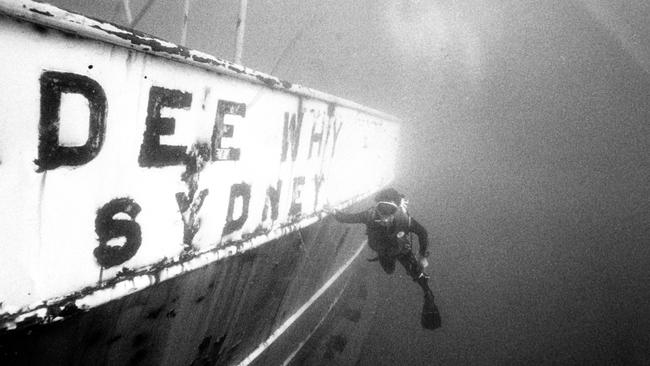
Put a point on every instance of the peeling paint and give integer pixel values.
(286, 84)
(120, 231)
(45, 13)
(268, 80)
(203, 60)
(141, 39)
(190, 203)
(87, 27)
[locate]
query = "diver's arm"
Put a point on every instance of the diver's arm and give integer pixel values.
(423, 236)
(351, 218)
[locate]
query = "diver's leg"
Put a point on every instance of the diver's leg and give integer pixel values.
(387, 263)
(430, 314)
(415, 270)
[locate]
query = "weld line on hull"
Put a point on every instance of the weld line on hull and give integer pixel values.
(278, 332)
(327, 313)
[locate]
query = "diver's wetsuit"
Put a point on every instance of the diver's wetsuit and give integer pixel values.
(388, 228)
(392, 243)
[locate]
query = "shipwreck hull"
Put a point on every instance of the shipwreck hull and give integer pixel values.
(219, 314)
(166, 207)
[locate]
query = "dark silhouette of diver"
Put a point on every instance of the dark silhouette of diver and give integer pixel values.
(388, 226)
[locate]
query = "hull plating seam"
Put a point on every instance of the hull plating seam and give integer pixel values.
(278, 332)
(320, 322)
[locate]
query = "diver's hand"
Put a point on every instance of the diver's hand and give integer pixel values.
(424, 262)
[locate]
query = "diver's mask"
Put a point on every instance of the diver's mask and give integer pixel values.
(385, 213)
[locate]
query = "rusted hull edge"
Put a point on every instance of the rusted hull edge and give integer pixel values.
(53, 17)
(252, 308)
(132, 281)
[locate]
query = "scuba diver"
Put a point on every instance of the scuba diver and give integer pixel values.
(388, 226)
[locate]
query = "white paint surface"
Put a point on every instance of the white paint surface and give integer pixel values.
(47, 226)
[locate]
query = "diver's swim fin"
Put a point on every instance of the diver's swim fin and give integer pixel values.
(430, 314)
